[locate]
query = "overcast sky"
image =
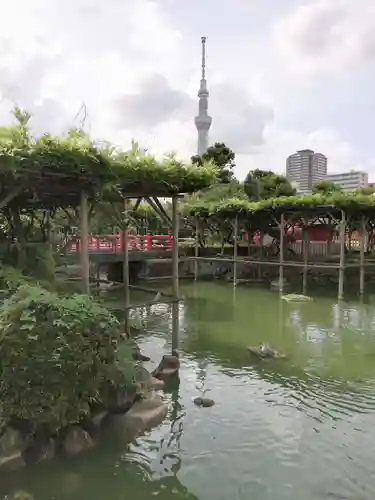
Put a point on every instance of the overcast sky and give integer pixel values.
(282, 74)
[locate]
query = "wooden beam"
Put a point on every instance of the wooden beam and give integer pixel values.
(306, 248)
(125, 267)
(261, 235)
(175, 278)
(162, 209)
(235, 250)
(163, 216)
(281, 262)
(10, 196)
(84, 243)
(342, 255)
(363, 233)
(153, 291)
(196, 250)
(137, 203)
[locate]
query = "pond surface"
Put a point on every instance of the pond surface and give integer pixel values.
(301, 428)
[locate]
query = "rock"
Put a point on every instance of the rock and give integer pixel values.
(137, 355)
(40, 451)
(13, 462)
(142, 416)
(76, 440)
(21, 495)
(118, 401)
(168, 367)
(156, 384)
(204, 402)
(11, 449)
(147, 381)
(98, 418)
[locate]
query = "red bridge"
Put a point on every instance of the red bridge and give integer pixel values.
(114, 243)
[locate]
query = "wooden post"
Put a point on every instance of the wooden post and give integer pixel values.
(125, 267)
(261, 235)
(196, 263)
(84, 243)
(306, 244)
(362, 256)
(342, 255)
(175, 278)
(281, 265)
(235, 251)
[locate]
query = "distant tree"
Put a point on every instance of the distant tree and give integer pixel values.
(263, 184)
(326, 188)
(222, 156)
(366, 190)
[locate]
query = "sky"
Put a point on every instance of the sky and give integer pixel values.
(282, 74)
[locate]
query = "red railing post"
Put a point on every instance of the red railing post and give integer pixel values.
(148, 241)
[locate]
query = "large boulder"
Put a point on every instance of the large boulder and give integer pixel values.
(12, 445)
(156, 384)
(75, 440)
(40, 450)
(143, 416)
(168, 367)
(119, 400)
(147, 381)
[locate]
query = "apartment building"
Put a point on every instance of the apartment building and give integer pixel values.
(305, 168)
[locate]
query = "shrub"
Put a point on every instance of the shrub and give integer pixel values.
(56, 355)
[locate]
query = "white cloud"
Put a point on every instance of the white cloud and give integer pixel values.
(327, 36)
(135, 65)
(280, 143)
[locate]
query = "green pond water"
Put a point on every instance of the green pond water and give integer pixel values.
(301, 428)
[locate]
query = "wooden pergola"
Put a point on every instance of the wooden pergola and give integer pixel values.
(49, 173)
(154, 202)
(361, 219)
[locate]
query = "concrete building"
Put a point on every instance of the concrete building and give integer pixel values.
(349, 181)
(203, 120)
(305, 168)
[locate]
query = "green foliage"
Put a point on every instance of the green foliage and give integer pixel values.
(326, 188)
(366, 190)
(10, 279)
(220, 155)
(351, 202)
(108, 218)
(54, 170)
(56, 355)
(215, 194)
(261, 184)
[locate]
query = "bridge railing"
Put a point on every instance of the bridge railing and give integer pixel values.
(114, 243)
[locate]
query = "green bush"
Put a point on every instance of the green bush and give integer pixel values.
(56, 355)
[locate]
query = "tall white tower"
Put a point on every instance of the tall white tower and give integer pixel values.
(203, 120)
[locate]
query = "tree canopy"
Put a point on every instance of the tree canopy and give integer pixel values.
(222, 157)
(264, 184)
(326, 187)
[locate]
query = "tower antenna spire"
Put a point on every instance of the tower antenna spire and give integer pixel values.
(203, 40)
(203, 120)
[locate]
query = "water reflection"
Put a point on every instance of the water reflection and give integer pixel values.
(114, 470)
(276, 427)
